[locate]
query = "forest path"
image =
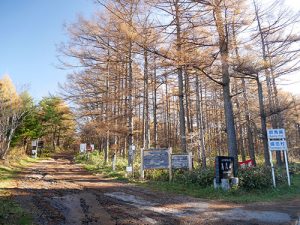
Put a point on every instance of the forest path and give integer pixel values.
(59, 192)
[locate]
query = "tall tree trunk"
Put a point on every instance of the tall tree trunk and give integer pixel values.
(268, 78)
(130, 105)
(263, 121)
(248, 123)
(168, 130)
(187, 106)
(241, 146)
(146, 144)
(199, 116)
(246, 101)
(180, 78)
(106, 151)
(223, 45)
(154, 106)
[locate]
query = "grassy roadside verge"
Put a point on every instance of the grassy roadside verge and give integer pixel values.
(10, 212)
(283, 192)
(237, 196)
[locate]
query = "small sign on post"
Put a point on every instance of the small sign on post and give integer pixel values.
(131, 150)
(129, 169)
(83, 147)
(131, 154)
(34, 145)
(277, 142)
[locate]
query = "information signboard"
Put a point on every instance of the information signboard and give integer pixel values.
(278, 145)
(276, 134)
(224, 167)
(180, 161)
(156, 159)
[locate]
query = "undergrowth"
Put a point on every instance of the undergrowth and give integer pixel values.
(10, 211)
(255, 183)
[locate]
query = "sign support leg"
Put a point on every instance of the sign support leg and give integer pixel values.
(190, 161)
(287, 168)
(272, 168)
(142, 165)
(170, 165)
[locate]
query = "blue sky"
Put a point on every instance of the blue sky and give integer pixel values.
(30, 30)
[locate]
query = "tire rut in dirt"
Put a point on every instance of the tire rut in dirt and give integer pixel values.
(88, 220)
(48, 215)
(129, 214)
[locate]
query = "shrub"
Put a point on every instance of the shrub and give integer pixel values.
(157, 175)
(259, 177)
(294, 168)
(203, 178)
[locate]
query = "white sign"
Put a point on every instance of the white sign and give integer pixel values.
(34, 143)
(182, 161)
(276, 134)
(92, 147)
(129, 169)
(131, 150)
(34, 153)
(278, 145)
(277, 142)
(83, 147)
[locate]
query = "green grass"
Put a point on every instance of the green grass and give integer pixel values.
(238, 196)
(10, 211)
(107, 172)
(95, 164)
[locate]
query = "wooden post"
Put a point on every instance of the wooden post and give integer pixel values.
(190, 161)
(114, 161)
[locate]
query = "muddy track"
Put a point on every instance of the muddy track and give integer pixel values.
(59, 192)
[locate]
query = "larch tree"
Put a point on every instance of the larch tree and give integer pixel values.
(12, 112)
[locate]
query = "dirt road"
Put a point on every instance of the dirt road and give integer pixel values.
(59, 192)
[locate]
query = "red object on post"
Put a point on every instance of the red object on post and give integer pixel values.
(247, 163)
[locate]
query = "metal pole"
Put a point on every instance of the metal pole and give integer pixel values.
(142, 164)
(272, 167)
(287, 168)
(170, 164)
